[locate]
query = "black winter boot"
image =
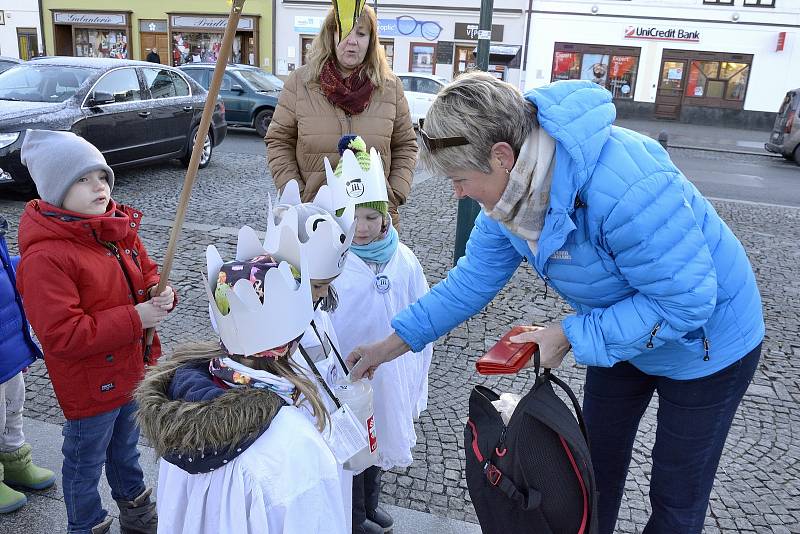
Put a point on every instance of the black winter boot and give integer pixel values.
(139, 515)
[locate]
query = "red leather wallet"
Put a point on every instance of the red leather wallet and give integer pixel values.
(506, 357)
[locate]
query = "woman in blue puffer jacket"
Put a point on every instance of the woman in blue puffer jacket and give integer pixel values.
(664, 296)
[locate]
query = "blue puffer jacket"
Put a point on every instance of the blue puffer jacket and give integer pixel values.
(654, 275)
(17, 349)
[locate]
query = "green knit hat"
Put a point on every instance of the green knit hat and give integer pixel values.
(357, 145)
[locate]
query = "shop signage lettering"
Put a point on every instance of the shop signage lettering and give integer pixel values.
(655, 33)
(105, 19)
(471, 32)
(184, 21)
(403, 26)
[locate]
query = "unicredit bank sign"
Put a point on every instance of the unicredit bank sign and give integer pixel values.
(659, 33)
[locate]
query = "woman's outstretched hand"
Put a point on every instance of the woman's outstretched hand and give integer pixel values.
(365, 359)
(553, 344)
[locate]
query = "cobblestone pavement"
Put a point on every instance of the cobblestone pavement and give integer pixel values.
(757, 486)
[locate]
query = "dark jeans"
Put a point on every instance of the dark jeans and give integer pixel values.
(366, 492)
(109, 438)
(694, 417)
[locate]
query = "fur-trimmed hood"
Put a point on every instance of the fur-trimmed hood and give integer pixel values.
(199, 436)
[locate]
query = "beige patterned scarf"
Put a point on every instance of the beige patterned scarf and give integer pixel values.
(523, 205)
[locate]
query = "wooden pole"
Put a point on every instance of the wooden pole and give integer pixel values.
(197, 150)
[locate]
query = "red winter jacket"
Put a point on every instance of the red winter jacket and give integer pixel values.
(79, 297)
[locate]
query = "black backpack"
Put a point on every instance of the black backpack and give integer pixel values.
(534, 475)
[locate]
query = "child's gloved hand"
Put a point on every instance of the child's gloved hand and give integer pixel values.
(150, 314)
(165, 301)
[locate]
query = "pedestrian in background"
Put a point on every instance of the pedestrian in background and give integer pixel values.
(153, 56)
(17, 352)
(664, 296)
(88, 289)
(347, 87)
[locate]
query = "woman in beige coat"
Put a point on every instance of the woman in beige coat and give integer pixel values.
(345, 88)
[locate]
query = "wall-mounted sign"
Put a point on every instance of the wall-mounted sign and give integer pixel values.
(152, 26)
(781, 41)
(444, 52)
(210, 22)
(656, 33)
(100, 19)
(469, 31)
(402, 26)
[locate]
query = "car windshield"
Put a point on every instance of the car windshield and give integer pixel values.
(261, 81)
(41, 83)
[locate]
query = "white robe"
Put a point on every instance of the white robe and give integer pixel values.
(285, 482)
(311, 344)
(364, 315)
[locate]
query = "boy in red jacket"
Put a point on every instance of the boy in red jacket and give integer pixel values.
(87, 285)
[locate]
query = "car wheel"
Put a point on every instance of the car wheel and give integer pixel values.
(797, 154)
(261, 123)
(205, 157)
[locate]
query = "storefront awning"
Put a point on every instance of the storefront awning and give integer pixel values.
(502, 54)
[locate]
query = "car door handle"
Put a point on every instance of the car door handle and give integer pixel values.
(144, 113)
(188, 108)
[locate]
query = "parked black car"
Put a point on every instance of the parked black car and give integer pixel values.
(133, 112)
(250, 94)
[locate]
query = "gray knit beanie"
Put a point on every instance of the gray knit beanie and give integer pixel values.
(56, 160)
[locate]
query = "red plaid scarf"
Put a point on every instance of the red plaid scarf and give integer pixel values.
(351, 94)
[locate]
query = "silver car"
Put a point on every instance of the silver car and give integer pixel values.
(785, 137)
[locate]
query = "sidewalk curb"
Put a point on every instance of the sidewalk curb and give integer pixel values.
(726, 151)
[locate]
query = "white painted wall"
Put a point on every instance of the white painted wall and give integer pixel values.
(773, 73)
(288, 40)
(18, 14)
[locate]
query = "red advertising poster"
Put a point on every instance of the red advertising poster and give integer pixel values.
(564, 64)
(621, 65)
(692, 87)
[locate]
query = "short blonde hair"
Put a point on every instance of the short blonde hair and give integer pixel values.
(323, 48)
(485, 111)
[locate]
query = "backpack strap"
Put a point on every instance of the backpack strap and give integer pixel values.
(497, 479)
(575, 404)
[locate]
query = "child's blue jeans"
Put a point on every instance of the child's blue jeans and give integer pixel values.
(109, 438)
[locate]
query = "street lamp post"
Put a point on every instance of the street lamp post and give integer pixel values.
(468, 209)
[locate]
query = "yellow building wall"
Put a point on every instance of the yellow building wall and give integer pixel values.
(158, 9)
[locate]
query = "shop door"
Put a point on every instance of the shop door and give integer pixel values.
(669, 95)
(63, 40)
(464, 59)
(157, 40)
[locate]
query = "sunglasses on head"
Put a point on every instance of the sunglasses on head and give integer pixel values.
(436, 143)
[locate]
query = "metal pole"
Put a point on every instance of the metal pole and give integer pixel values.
(197, 150)
(468, 209)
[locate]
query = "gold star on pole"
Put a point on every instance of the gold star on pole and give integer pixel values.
(347, 13)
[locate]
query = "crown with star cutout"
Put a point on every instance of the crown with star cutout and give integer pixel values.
(355, 184)
(252, 325)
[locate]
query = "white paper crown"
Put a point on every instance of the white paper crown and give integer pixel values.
(329, 236)
(355, 184)
(253, 326)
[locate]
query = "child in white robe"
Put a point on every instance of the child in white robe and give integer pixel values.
(238, 454)
(380, 278)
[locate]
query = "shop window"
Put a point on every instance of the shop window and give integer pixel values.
(388, 50)
(305, 48)
(422, 58)
(717, 79)
(566, 66)
(719, 2)
(101, 43)
(201, 48)
(27, 42)
(122, 84)
(759, 3)
(614, 71)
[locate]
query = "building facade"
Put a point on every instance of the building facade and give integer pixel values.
(705, 61)
(20, 28)
(181, 32)
(417, 36)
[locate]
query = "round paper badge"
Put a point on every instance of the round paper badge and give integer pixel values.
(382, 283)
